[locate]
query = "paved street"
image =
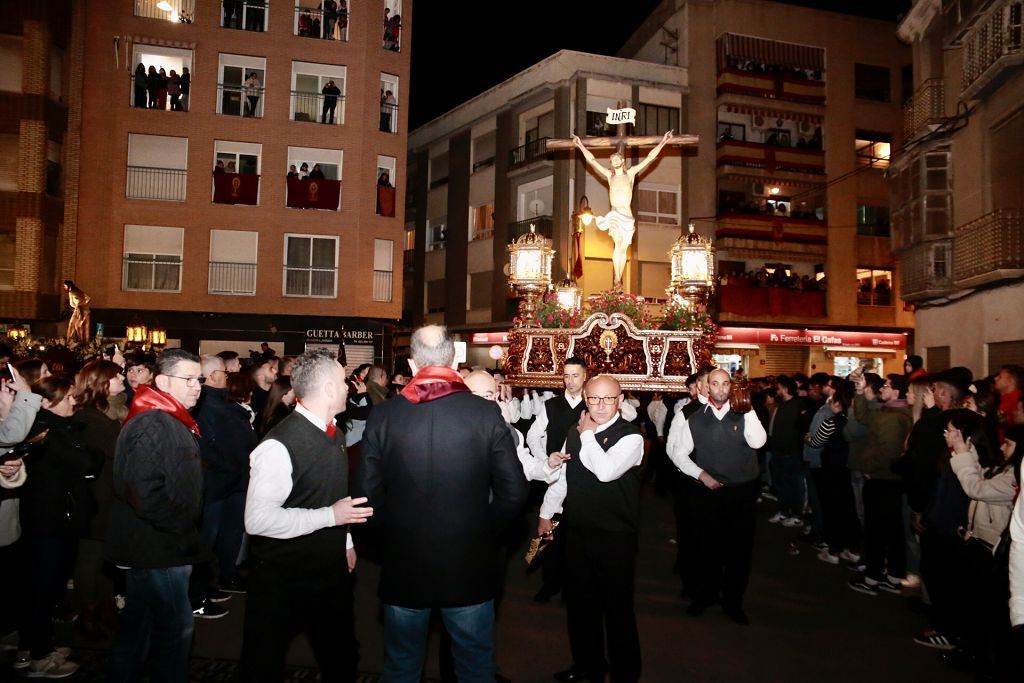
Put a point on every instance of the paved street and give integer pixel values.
(806, 624)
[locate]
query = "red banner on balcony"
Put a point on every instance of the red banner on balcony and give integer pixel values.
(386, 201)
(771, 301)
(313, 193)
(236, 188)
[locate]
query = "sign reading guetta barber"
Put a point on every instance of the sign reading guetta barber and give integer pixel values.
(360, 346)
(797, 337)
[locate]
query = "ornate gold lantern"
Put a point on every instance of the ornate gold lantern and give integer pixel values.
(136, 333)
(158, 335)
(693, 267)
(530, 267)
(17, 332)
(568, 294)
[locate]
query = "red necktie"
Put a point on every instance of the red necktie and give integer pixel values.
(331, 430)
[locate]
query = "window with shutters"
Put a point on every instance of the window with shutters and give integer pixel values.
(785, 360)
(383, 269)
(233, 256)
(152, 258)
(311, 266)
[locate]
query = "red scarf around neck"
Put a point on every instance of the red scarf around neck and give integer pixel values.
(433, 382)
(148, 398)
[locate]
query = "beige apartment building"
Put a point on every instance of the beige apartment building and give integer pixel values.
(186, 216)
(958, 190)
(797, 112)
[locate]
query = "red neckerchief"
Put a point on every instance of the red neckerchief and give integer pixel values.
(331, 428)
(433, 382)
(148, 398)
(714, 405)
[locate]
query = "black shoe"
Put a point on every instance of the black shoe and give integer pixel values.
(545, 594)
(209, 610)
(218, 596)
(572, 675)
(737, 615)
(697, 607)
(232, 586)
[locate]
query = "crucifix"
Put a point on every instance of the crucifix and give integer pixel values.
(619, 221)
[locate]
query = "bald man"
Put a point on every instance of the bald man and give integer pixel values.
(718, 448)
(599, 488)
(482, 384)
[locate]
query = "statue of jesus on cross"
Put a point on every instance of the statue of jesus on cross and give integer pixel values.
(619, 222)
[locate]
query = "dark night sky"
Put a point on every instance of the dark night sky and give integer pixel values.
(503, 38)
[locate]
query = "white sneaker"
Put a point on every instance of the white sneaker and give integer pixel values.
(912, 581)
(826, 556)
(776, 518)
(792, 522)
(53, 665)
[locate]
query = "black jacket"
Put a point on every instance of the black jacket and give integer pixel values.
(99, 434)
(158, 495)
(228, 439)
(787, 437)
(56, 499)
(444, 481)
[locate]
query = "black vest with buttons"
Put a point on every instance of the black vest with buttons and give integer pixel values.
(561, 419)
(319, 478)
(719, 447)
(595, 504)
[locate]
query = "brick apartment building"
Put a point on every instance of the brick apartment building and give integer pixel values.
(248, 255)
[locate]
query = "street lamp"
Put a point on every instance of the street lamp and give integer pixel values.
(693, 267)
(530, 267)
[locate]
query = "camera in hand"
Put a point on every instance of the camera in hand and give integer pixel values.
(24, 448)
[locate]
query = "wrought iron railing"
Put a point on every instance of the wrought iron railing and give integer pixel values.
(925, 107)
(240, 100)
(151, 273)
(383, 280)
(996, 42)
(989, 249)
(314, 106)
(528, 152)
(232, 278)
(180, 11)
(925, 270)
(311, 22)
(247, 15)
(146, 182)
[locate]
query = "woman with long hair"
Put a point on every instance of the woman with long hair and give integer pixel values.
(280, 402)
(56, 509)
(987, 476)
(98, 386)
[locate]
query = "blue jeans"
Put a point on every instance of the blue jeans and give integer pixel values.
(405, 642)
(157, 621)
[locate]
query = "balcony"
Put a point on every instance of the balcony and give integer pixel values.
(236, 188)
(240, 100)
(152, 92)
(383, 281)
(145, 182)
(765, 235)
(385, 201)
(313, 193)
(534, 149)
(764, 302)
(314, 106)
(925, 108)
(770, 158)
(520, 228)
(925, 271)
(236, 279)
(989, 249)
(178, 11)
(771, 86)
(312, 22)
(247, 15)
(993, 49)
(388, 118)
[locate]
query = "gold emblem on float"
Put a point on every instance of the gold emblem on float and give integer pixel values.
(608, 341)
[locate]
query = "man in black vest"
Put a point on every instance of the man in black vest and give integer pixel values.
(718, 448)
(297, 514)
(556, 418)
(599, 489)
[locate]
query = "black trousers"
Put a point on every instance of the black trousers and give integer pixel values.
(723, 539)
(600, 567)
(281, 602)
(885, 549)
(685, 549)
(838, 508)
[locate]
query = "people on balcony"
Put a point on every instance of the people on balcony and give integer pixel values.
(317, 173)
(186, 86)
(161, 89)
(293, 172)
(139, 87)
(765, 207)
(219, 167)
(775, 277)
(388, 105)
(752, 66)
(253, 89)
(331, 93)
(174, 90)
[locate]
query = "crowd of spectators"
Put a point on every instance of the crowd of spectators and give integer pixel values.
(774, 69)
(774, 277)
(153, 87)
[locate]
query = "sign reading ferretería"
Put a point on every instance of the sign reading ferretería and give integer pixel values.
(617, 116)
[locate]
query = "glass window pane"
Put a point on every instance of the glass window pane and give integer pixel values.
(323, 253)
(298, 252)
(323, 283)
(297, 282)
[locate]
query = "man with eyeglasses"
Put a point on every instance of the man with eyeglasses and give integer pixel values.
(599, 487)
(158, 499)
(718, 448)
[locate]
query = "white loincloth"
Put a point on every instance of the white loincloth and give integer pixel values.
(618, 225)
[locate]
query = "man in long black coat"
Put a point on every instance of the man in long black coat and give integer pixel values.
(440, 470)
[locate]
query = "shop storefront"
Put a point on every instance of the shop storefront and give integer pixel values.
(773, 351)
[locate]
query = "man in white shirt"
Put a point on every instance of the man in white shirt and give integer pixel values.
(600, 488)
(718, 448)
(297, 514)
